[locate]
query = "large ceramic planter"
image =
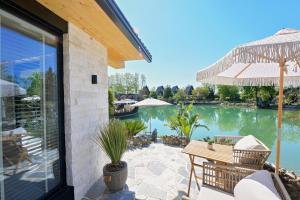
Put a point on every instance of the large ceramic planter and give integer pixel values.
(115, 180)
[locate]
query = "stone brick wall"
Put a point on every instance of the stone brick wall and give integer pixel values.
(86, 108)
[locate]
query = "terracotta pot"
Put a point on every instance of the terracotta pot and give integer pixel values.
(115, 180)
(210, 146)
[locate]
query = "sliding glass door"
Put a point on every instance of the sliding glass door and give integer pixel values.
(29, 142)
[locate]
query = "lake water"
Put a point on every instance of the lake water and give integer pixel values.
(262, 123)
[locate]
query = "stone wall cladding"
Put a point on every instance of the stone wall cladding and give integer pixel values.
(86, 108)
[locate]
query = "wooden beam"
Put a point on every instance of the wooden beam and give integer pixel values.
(89, 17)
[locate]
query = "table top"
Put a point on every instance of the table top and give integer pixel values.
(221, 153)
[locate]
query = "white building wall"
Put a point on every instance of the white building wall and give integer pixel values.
(86, 108)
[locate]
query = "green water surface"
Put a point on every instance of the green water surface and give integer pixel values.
(262, 123)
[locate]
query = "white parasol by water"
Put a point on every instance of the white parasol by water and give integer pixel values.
(274, 60)
(150, 102)
(10, 89)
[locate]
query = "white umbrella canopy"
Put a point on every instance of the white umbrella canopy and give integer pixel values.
(270, 61)
(149, 102)
(10, 89)
(254, 74)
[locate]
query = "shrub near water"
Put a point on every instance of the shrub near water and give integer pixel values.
(133, 127)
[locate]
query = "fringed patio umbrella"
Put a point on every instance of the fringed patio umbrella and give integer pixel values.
(270, 61)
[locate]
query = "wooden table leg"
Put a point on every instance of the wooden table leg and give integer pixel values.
(195, 176)
(191, 174)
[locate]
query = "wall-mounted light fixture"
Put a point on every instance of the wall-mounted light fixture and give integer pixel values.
(94, 79)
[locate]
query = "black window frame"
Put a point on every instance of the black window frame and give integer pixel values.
(57, 27)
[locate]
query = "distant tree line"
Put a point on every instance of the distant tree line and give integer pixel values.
(263, 96)
(126, 82)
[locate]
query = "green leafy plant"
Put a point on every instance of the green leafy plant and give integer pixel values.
(206, 139)
(133, 127)
(210, 142)
(185, 122)
(200, 93)
(167, 92)
(153, 94)
(228, 93)
(112, 139)
(179, 95)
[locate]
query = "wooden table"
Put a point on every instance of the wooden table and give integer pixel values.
(221, 154)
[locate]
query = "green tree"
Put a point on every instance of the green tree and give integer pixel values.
(35, 84)
(180, 95)
(117, 83)
(228, 93)
(168, 92)
(153, 94)
(111, 99)
(291, 95)
(249, 92)
(124, 83)
(267, 93)
(200, 93)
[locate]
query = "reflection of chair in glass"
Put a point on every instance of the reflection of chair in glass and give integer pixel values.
(13, 151)
(248, 151)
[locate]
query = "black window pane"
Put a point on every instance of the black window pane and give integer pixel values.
(29, 145)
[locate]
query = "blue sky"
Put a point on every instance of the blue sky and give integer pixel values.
(184, 36)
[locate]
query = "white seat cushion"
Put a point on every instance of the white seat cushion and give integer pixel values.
(248, 143)
(16, 131)
(257, 186)
(207, 193)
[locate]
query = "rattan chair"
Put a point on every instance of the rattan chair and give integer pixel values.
(252, 159)
(224, 178)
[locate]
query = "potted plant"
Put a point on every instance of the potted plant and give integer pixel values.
(112, 139)
(210, 144)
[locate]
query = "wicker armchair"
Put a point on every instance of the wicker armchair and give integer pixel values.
(252, 159)
(224, 178)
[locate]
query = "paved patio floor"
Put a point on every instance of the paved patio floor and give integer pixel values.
(159, 172)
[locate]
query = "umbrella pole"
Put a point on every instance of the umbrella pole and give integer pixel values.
(150, 126)
(281, 65)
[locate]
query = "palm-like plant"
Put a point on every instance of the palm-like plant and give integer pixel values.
(189, 123)
(133, 127)
(185, 122)
(112, 139)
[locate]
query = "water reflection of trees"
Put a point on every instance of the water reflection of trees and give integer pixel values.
(261, 124)
(228, 119)
(291, 126)
(258, 122)
(160, 113)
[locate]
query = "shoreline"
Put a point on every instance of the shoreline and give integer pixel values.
(243, 104)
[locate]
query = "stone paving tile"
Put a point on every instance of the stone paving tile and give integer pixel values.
(159, 172)
(156, 167)
(151, 191)
(183, 172)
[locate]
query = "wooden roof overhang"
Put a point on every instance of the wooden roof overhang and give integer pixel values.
(104, 21)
